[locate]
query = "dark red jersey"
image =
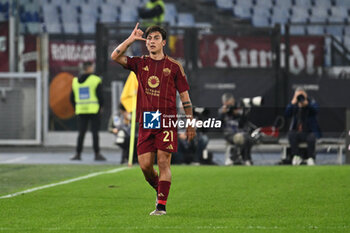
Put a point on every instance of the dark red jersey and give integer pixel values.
(158, 81)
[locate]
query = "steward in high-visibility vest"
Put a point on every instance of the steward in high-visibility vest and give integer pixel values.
(152, 13)
(85, 97)
(87, 100)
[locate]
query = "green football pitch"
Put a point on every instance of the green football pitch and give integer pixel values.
(202, 199)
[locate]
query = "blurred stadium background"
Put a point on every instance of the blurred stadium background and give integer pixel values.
(246, 47)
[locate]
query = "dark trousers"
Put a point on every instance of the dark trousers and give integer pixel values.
(83, 122)
(243, 149)
(298, 137)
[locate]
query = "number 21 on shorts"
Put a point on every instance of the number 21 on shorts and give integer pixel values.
(169, 136)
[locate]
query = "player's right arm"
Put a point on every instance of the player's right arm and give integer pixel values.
(118, 54)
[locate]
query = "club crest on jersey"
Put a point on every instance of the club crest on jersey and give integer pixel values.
(153, 81)
(166, 71)
(145, 68)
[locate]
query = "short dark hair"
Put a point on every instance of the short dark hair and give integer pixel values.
(87, 64)
(156, 28)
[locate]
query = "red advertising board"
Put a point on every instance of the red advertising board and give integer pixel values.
(4, 54)
(67, 56)
(306, 52)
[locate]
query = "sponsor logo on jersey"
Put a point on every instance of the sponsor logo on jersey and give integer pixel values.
(153, 81)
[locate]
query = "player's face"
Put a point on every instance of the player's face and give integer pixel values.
(155, 43)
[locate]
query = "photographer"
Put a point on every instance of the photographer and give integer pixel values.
(192, 152)
(120, 125)
(236, 130)
(303, 127)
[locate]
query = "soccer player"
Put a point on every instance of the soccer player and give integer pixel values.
(159, 76)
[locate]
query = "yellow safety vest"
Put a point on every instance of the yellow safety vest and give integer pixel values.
(86, 101)
(160, 18)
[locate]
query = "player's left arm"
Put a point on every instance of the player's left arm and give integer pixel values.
(187, 105)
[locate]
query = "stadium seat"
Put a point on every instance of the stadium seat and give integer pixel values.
(297, 30)
(34, 27)
(261, 11)
(338, 11)
(263, 3)
(51, 18)
(259, 21)
(69, 18)
(335, 19)
(4, 7)
(279, 15)
(75, 3)
(170, 13)
(320, 12)
(133, 3)
(335, 30)
(303, 3)
(317, 19)
(244, 3)
(300, 11)
(283, 4)
(108, 13)
(170, 9)
(242, 12)
(275, 20)
(88, 10)
(71, 28)
(87, 24)
(347, 30)
(185, 20)
(68, 13)
(224, 4)
(128, 14)
(342, 3)
(315, 30)
(323, 3)
(299, 15)
(53, 27)
(96, 2)
(117, 3)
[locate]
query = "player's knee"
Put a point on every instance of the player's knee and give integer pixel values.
(163, 162)
(146, 166)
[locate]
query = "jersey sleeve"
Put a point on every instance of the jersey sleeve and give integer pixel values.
(180, 80)
(132, 63)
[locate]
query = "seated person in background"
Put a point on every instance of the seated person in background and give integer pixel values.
(304, 127)
(236, 131)
(120, 125)
(193, 152)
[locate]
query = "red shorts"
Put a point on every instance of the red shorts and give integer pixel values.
(150, 140)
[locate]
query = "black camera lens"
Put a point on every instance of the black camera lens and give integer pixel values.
(300, 98)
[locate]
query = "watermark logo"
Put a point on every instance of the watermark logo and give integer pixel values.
(151, 120)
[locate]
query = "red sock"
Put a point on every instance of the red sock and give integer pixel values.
(153, 182)
(163, 191)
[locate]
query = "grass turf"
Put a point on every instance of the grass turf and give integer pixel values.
(202, 199)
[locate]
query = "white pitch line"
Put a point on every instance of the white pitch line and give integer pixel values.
(14, 160)
(64, 182)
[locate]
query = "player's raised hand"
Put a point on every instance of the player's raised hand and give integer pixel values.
(136, 34)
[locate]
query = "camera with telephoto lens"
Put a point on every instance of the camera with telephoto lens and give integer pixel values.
(300, 98)
(256, 101)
